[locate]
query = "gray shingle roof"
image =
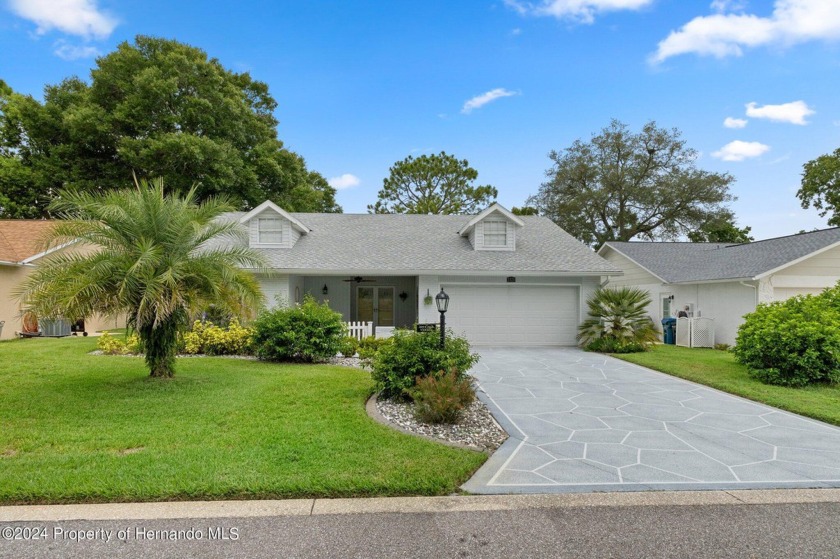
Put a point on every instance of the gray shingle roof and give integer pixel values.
(690, 262)
(401, 243)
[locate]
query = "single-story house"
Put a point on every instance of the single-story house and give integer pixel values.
(20, 253)
(512, 280)
(725, 281)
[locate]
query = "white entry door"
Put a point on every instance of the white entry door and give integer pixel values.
(375, 304)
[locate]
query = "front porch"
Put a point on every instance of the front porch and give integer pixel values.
(386, 302)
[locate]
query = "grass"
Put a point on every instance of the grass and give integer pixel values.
(720, 370)
(86, 428)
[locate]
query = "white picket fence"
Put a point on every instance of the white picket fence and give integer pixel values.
(359, 330)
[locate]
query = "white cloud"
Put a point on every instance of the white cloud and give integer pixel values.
(581, 11)
(794, 112)
(344, 181)
(74, 17)
(738, 150)
(730, 122)
(480, 100)
(727, 34)
(74, 52)
(728, 5)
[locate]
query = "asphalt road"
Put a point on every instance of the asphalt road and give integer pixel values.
(707, 531)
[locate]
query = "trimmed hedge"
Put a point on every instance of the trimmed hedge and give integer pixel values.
(413, 355)
(307, 332)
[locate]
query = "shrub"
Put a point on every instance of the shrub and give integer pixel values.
(110, 345)
(306, 332)
(207, 338)
(370, 346)
(794, 342)
(722, 347)
(441, 397)
(410, 355)
(618, 321)
(349, 346)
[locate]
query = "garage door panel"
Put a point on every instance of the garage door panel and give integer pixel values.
(514, 314)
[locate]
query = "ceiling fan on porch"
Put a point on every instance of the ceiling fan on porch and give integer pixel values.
(359, 279)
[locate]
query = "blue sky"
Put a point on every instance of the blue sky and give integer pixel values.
(363, 84)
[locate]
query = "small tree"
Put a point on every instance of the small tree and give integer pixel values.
(154, 258)
(618, 321)
(433, 184)
(723, 230)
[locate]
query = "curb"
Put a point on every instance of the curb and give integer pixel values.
(408, 505)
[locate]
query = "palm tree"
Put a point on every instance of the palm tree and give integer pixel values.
(155, 257)
(618, 320)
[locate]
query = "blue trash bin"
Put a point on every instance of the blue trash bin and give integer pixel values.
(669, 330)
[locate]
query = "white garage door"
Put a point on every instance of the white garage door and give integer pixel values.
(519, 315)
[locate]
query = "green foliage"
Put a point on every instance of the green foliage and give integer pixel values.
(441, 397)
(821, 186)
(209, 339)
(154, 108)
(306, 332)
(723, 230)
(370, 346)
(433, 184)
(524, 210)
(111, 345)
(618, 321)
(722, 347)
(146, 262)
(622, 185)
(221, 427)
(794, 342)
(411, 355)
(349, 346)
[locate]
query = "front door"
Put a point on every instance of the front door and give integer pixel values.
(375, 304)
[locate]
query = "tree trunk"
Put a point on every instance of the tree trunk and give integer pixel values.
(161, 347)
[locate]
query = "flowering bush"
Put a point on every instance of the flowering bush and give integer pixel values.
(207, 338)
(110, 345)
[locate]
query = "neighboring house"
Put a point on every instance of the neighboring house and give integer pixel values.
(512, 280)
(726, 281)
(20, 252)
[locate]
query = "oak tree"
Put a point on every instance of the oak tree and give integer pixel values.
(622, 185)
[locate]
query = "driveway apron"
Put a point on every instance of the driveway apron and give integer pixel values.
(587, 422)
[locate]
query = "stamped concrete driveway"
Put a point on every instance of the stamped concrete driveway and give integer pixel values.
(586, 422)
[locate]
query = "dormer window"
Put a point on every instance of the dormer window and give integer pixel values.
(270, 230)
(495, 233)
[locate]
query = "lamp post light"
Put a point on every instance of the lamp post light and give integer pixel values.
(442, 302)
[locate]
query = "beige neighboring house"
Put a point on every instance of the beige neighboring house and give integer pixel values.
(725, 281)
(20, 252)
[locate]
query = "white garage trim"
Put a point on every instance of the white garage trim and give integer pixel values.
(545, 314)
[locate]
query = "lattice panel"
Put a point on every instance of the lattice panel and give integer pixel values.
(703, 332)
(684, 332)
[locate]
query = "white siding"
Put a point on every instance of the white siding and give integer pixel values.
(633, 273)
(823, 265)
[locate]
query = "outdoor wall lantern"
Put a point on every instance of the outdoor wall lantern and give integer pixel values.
(325, 291)
(442, 302)
(403, 296)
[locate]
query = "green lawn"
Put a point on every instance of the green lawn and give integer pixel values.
(719, 369)
(86, 428)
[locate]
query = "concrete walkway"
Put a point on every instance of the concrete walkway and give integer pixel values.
(586, 422)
